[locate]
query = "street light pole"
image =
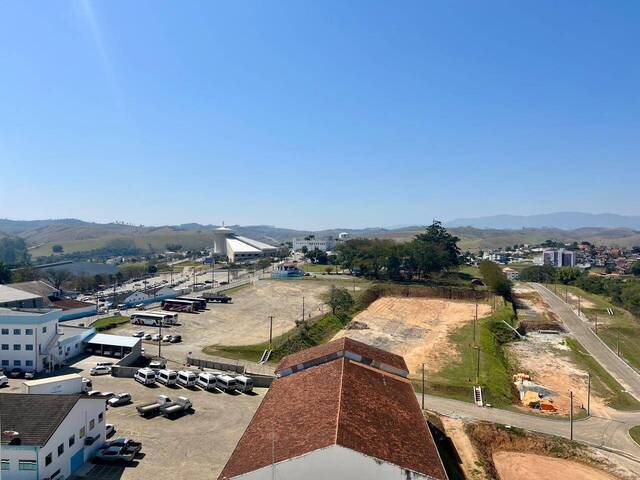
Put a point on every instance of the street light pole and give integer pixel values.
(477, 365)
(589, 395)
(423, 386)
(270, 330)
(571, 415)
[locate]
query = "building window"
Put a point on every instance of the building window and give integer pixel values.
(5, 346)
(16, 363)
(60, 449)
(92, 424)
(100, 417)
(44, 329)
(5, 464)
(5, 331)
(48, 459)
(28, 347)
(82, 432)
(16, 331)
(29, 363)
(28, 331)
(5, 363)
(72, 441)
(27, 465)
(17, 346)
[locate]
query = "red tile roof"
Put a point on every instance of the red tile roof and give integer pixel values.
(342, 344)
(69, 303)
(341, 402)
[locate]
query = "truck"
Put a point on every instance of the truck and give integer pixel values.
(216, 297)
(182, 404)
(60, 385)
(152, 408)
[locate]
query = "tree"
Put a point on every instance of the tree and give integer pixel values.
(494, 278)
(26, 274)
(13, 251)
(5, 273)
(151, 268)
(57, 277)
(437, 234)
(57, 248)
(339, 299)
(635, 268)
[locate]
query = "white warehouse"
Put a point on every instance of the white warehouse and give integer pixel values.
(239, 249)
(49, 436)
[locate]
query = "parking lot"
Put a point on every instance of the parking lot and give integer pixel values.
(193, 446)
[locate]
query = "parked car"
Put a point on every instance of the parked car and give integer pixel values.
(29, 375)
(100, 370)
(93, 393)
(122, 442)
(166, 338)
(244, 384)
(115, 455)
(4, 381)
(119, 399)
(157, 364)
(175, 338)
(16, 373)
(156, 337)
(147, 336)
(109, 429)
(108, 394)
(138, 334)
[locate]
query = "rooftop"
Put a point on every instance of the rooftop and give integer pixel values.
(239, 246)
(113, 340)
(341, 402)
(34, 417)
(36, 287)
(256, 243)
(10, 294)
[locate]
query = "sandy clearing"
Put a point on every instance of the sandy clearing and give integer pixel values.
(584, 303)
(416, 328)
(469, 459)
(516, 466)
(542, 357)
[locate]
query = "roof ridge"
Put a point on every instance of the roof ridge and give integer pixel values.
(344, 360)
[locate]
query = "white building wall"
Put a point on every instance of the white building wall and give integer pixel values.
(14, 454)
(323, 245)
(334, 462)
(15, 341)
(136, 297)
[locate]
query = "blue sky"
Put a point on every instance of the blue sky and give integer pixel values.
(316, 114)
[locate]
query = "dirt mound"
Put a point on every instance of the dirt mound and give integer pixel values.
(356, 325)
(516, 466)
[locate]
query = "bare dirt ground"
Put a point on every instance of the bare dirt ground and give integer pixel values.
(542, 356)
(469, 458)
(416, 328)
(246, 320)
(516, 466)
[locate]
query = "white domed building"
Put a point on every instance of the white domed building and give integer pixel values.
(239, 249)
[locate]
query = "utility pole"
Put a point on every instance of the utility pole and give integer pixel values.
(160, 340)
(571, 416)
(596, 323)
(566, 294)
(477, 365)
(270, 330)
(475, 318)
(423, 386)
(618, 342)
(303, 309)
(578, 305)
(589, 395)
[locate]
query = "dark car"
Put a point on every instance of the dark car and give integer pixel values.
(16, 373)
(175, 338)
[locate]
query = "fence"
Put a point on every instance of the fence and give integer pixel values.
(215, 365)
(123, 372)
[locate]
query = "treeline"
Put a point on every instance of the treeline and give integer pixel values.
(624, 293)
(495, 279)
(114, 248)
(13, 252)
(435, 250)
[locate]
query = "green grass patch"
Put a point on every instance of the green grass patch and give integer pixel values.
(308, 334)
(634, 432)
(109, 322)
(458, 378)
(602, 382)
(314, 268)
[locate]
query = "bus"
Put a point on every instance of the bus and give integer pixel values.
(199, 302)
(177, 305)
(154, 319)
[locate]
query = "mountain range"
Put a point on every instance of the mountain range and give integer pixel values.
(562, 220)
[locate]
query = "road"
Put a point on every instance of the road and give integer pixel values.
(623, 373)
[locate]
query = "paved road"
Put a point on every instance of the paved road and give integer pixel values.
(580, 329)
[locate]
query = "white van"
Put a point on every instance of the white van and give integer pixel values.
(167, 377)
(244, 384)
(104, 364)
(186, 378)
(145, 376)
(3, 380)
(207, 381)
(225, 383)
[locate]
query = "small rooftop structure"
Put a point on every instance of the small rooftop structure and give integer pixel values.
(113, 340)
(13, 297)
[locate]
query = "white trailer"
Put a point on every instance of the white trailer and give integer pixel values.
(60, 385)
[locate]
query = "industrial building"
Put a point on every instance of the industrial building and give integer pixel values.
(239, 249)
(342, 410)
(40, 294)
(49, 436)
(312, 244)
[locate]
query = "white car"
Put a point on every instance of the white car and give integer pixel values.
(138, 334)
(100, 370)
(109, 429)
(3, 380)
(156, 337)
(166, 338)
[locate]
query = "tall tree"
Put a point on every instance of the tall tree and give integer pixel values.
(5, 273)
(57, 277)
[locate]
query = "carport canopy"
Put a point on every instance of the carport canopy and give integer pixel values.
(102, 342)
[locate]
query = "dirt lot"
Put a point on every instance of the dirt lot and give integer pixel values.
(469, 460)
(243, 322)
(516, 466)
(416, 328)
(543, 357)
(194, 446)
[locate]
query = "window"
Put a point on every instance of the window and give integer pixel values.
(28, 347)
(27, 465)
(29, 363)
(17, 346)
(17, 363)
(16, 331)
(82, 432)
(100, 417)
(92, 424)
(5, 331)
(28, 331)
(48, 459)
(44, 329)
(5, 346)
(72, 441)
(60, 449)
(5, 363)
(5, 464)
